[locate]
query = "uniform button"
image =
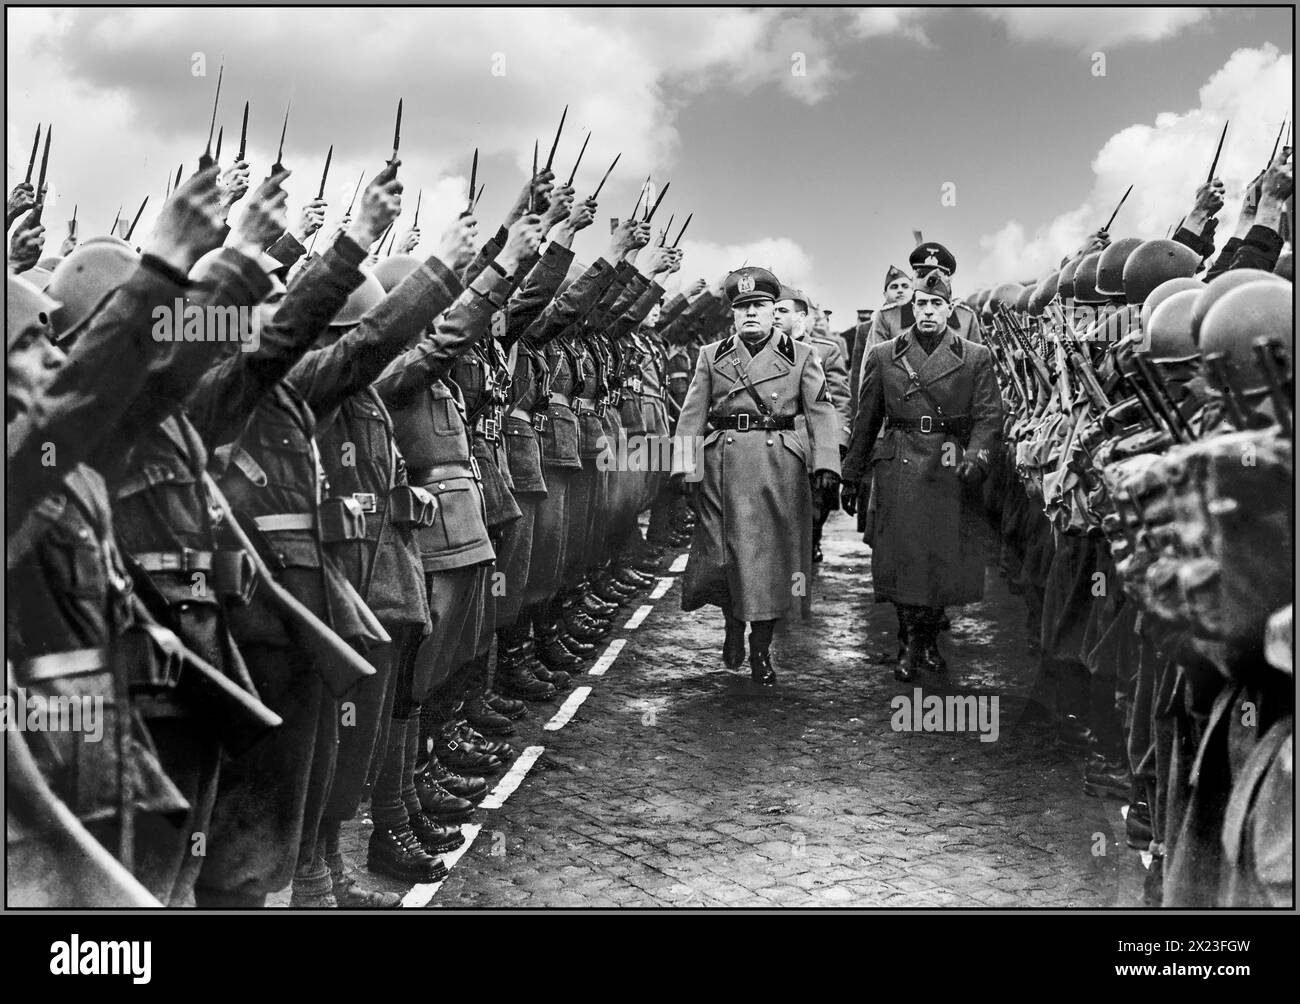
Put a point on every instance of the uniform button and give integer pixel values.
(730, 440)
(904, 460)
(769, 442)
(774, 393)
(83, 533)
(285, 442)
(442, 485)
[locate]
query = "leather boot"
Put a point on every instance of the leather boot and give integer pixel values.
(760, 653)
(397, 854)
(349, 894)
(557, 678)
(462, 732)
(549, 648)
(733, 646)
(466, 759)
(440, 803)
(481, 715)
(514, 677)
(505, 706)
(578, 625)
(596, 608)
(433, 836)
(909, 660)
(931, 658)
(581, 649)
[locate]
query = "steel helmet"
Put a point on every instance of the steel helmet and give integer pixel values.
(1213, 292)
(1166, 290)
(1043, 293)
(360, 301)
(1085, 280)
(1169, 332)
(1065, 280)
(1110, 269)
(1155, 262)
(26, 307)
(391, 271)
(1242, 316)
(93, 270)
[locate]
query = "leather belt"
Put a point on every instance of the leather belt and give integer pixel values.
(445, 472)
(537, 419)
(184, 560)
(74, 662)
(928, 423)
(286, 521)
(585, 406)
(558, 398)
(744, 423)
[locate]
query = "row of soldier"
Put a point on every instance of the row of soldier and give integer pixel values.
(284, 561)
(1142, 504)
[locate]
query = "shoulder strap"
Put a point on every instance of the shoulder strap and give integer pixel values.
(916, 379)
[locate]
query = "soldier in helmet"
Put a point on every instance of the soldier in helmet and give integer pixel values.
(936, 398)
(751, 554)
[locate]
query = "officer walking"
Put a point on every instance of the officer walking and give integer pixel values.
(751, 553)
(937, 398)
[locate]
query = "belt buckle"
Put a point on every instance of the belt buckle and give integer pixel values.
(491, 430)
(927, 423)
(742, 422)
(367, 500)
(539, 421)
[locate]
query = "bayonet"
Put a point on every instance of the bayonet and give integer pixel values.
(573, 173)
(138, 213)
(532, 184)
(40, 181)
(216, 157)
(663, 235)
(418, 196)
(683, 229)
(1117, 209)
(206, 160)
(397, 132)
(556, 142)
(243, 136)
(31, 161)
(1218, 150)
(278, 166)
(480, 194)
(662, 192)
(606, 178)
(326, 173)
(112, 231)
(639, 196)
(473, 180)
(354, 193)
(179, 169)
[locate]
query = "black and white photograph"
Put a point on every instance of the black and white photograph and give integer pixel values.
(650, 459)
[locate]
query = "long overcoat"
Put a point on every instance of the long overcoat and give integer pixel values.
(928, 546)
(752, 546)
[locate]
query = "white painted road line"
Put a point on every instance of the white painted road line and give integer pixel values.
(680, 564)
(658, 592)
(635, 620)
(514, 777)
(420, 895)
(607, 657)
(567, 709)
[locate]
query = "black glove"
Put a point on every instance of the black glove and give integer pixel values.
(849, 498)
(971, 473)
(824, 482)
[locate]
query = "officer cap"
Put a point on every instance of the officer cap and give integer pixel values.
(360, 301)
(93, 270)
(931, 255)
(1110, 269)
(1154, 262)
(1169, 332)
(1257, 310)
(934, 283)
(799, 297)
(26, 307)
(751, 284)
(1166, 290)
(1214, 291)
(394, 269)
(1085, 280)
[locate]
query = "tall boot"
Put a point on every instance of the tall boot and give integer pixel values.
(931, 658)
(909, 659)
(733, 647)
(760, 653)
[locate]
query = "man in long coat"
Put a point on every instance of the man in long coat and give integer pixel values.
(937, 398)
(752, 550)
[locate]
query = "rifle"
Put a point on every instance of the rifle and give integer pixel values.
(1280, 389)
(335, 660)
(1079, 360)
(39, 208)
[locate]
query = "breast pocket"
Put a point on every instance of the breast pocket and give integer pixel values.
(444, 416)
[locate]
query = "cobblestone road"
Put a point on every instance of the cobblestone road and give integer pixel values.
(678, 784)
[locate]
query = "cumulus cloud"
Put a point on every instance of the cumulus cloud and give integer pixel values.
(783, 256)
(874, 22)
(1090, 27)
(1165, 161)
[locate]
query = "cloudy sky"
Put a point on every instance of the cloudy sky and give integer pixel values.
(812, 141)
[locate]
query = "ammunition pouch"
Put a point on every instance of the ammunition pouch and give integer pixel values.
(234, 576)
(341, 519)
(411, 507)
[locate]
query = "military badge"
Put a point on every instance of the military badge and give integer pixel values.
(745, 284)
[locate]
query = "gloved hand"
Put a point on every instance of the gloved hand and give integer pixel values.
(849, 498)
(971, 473)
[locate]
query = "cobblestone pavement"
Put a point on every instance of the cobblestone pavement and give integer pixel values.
(678, 784)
